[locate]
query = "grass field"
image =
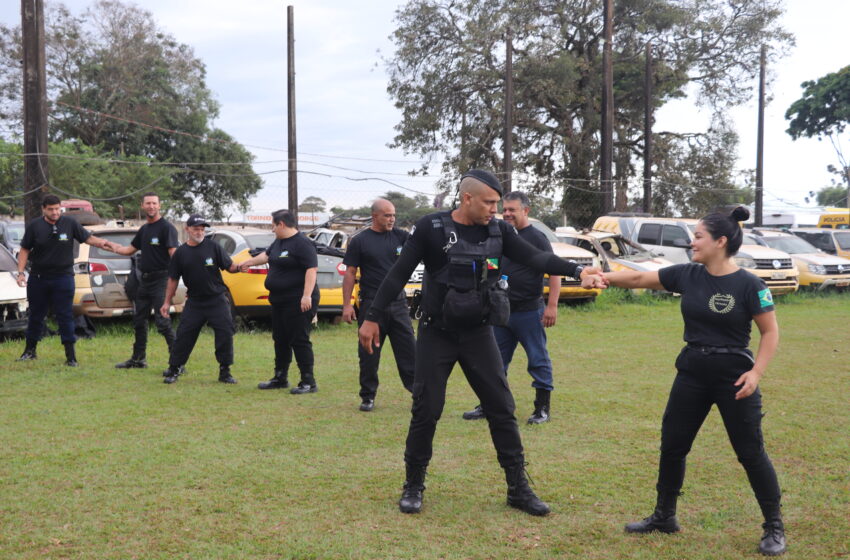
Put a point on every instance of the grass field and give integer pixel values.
(107, 464)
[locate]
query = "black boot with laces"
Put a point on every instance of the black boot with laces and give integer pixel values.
(663, 519)
(414, 485)
(520, 494)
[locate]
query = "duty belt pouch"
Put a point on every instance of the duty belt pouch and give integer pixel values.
(500, 306)
(463, 309)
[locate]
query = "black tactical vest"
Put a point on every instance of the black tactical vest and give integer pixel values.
(470, 267)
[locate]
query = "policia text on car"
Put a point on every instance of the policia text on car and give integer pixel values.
(48, 244)
(462, 251)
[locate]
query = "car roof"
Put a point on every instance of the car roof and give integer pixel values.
(237, 229)
(815, 230)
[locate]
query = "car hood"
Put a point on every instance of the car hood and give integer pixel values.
(822, 258)
(9, 290)
(760, 252)
(644, 264)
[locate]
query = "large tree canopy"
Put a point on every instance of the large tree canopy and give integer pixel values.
(824, 112)
(117, 82)
(447, 78)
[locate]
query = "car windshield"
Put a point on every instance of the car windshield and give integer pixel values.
(550, 235)
(750, 240)
(843, 239)
(121, 237)
(259, 240)
(7, 261)
(792, 245)
(16, 231)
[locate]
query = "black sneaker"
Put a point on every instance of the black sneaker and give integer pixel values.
(132, 363)
(476, 413)
(367, 405)
(303, 388)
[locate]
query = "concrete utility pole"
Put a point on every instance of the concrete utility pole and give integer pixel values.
(290, 121)
(508, 164)
(647, 132)
(35, 107)
(607, 155)
(760, 142)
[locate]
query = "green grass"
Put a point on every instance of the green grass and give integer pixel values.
(102, 463)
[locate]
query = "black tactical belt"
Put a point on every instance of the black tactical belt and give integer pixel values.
(706, 350)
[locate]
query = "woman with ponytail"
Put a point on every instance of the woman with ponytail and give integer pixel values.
(716, 367)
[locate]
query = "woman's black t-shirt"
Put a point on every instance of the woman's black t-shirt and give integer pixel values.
(289, 260)
(718, 310)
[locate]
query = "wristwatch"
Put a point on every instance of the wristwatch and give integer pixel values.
(578, 272)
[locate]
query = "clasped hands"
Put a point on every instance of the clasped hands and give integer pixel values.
(592, 278)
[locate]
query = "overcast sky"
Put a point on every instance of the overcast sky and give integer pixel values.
(344, 112)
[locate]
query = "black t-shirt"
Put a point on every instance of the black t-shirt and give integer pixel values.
(154, 240)
(289, 260)
(200, 266)
(374, 253)
(525, 283)
(426, 243)
(718, 310)
(51, 246)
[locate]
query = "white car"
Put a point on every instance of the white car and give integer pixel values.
(13, 298)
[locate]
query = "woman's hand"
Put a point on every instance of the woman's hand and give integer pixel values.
(749, 382)
(306, 303)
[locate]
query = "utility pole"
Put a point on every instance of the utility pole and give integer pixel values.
(607, 155)
(508, 164)
(647, 132)
(760, 142)
(290, 121)
(35, 107)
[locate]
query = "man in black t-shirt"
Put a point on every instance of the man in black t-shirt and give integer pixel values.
(373, 252)
(199, 262)
(157, 241)
(528, 314)
(462, 251)
(48, 244)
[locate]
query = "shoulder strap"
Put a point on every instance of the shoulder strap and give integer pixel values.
(449, 231)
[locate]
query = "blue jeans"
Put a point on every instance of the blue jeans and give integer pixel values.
(526, 328)
(46, 291)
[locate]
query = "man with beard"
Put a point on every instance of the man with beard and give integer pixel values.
(157, 240)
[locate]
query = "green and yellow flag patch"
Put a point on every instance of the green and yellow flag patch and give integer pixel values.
(765, 298)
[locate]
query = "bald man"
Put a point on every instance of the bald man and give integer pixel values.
(373, 252)
(462, 250)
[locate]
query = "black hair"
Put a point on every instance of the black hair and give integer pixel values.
(50, 200)
(520, 196)
(147, 194)
(285, 216)
(727, 225)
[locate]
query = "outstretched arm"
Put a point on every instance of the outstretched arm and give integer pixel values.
(633, 279)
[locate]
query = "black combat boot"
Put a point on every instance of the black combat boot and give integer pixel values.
(541, 407)
(773, 540)
(279, 381)
(137, 361)
(172, 373)
(306, 385)
(414, 485)
(29, 352)
(663, 519)
(70, 354)
(224, 375)
(476, 413)
(520, 494)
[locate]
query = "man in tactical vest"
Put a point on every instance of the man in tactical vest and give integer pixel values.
(462, 250)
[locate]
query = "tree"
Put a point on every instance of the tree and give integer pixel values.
(832, 196)
(118, 83)
(312, 204)
(824, 112)
(447, 79)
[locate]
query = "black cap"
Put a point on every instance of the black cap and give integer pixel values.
(196, 220)
(485, 177)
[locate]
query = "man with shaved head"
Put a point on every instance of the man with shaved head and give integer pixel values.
(462, 250)
(373, 252)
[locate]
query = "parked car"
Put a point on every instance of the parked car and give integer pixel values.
(818, 270)
(11, 234)
(571, 290)
(832, 241)
(615, 252)
(247, 291)
(13, 298)
(100, 275)
(671, 238)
